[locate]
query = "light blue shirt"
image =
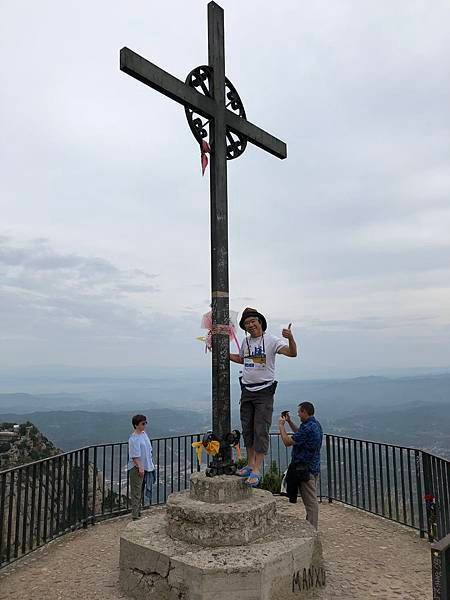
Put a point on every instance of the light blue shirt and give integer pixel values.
(139, 446)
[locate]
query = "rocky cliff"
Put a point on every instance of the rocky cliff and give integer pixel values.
(41, 498)
(22, 444)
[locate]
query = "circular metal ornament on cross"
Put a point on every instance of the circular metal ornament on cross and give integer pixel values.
(200, 79)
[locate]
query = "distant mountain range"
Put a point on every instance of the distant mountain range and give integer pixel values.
(413, 411)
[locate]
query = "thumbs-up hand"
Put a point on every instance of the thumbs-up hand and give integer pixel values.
(287, 333)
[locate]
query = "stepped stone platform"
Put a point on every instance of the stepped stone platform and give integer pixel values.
(240, 516)
(366, 557)
(222, 540)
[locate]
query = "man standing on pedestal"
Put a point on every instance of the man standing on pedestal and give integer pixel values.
(258, 386)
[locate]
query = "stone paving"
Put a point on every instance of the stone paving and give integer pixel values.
(366, 557)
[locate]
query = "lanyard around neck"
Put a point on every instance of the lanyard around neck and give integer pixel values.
(248, 345)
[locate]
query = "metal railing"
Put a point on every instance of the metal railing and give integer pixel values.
(48, 498)
(406, 485)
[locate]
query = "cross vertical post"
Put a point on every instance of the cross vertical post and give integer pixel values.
(221, 413)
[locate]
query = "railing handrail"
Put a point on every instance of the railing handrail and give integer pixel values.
(91, 447)
(388, 444)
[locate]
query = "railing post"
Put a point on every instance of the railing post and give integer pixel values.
(419, 493)
(430, 499)
(94, 487)
(85, 487)
(327, 441)
(2, 515)
(440, 569)
(77, 498)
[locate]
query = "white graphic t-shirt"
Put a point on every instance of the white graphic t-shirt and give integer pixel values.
(259, 360)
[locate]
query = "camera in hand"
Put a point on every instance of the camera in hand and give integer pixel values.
(285, 414)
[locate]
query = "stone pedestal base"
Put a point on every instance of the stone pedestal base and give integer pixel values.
(230, 524)
(224, 489)
(282, 565)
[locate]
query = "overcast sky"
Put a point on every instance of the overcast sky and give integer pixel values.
(104, 230)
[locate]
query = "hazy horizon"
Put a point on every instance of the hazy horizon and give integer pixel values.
(408, 410)
(61, 371)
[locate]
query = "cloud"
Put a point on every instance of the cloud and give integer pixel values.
(44, 292)
(36, 267)
(370, 323)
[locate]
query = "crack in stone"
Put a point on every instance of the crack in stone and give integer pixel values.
(152, 578)
(134, 570)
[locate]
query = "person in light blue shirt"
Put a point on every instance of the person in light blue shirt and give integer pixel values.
(140, 465)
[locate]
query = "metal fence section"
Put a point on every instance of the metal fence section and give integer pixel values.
(405, 485)
(48, 498)
(436, 473)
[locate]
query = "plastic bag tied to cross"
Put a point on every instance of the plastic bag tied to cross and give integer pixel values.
(229, 329)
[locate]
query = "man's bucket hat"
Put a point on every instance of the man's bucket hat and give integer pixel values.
(252, 312)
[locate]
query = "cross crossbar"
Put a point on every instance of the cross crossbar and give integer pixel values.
(145, 71)
(256, 135)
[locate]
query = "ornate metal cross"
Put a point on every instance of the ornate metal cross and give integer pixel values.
(215, 113)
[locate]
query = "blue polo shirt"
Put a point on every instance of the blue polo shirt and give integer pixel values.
(307, 444)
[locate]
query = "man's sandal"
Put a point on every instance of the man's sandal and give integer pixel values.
(244, 472)
(253, 479)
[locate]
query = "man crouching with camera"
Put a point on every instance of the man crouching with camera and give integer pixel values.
(304, 470)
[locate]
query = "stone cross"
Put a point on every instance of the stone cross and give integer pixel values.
(212, 103)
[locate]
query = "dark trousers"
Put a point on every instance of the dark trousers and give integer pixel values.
(256, 417)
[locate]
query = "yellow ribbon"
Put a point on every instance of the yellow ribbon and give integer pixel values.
(212, 448)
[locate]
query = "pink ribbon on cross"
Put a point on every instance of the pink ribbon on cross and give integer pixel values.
(218, 329)
(204, 150)
(221, 330)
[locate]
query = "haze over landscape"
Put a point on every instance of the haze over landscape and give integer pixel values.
(74, 411)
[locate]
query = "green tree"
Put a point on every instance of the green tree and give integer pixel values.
(272, 479)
